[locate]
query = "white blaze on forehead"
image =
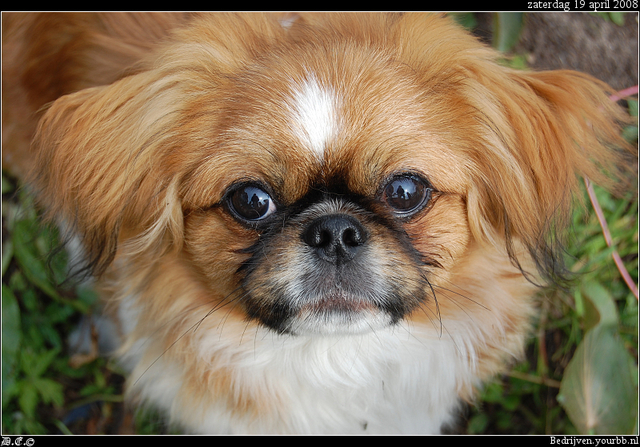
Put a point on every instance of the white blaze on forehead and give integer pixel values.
(315, 120)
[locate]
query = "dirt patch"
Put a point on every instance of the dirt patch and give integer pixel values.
(579, 41)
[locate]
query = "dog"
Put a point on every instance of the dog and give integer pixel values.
(303, 223)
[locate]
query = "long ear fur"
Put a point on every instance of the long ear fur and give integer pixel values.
(105, 165)
(525, 136)
(77, 174)
(542, 131)
(46, 56)
(110, 158)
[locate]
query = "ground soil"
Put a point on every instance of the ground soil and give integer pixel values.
(579, 41)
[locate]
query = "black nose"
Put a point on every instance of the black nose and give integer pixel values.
(336, 238)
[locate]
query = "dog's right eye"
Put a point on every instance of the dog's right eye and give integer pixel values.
(407, 194)
(251, 203)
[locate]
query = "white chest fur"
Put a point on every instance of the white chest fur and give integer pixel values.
(390, 381)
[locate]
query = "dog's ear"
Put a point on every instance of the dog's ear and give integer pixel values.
(110, 158)
(542, 132)
(525, 137)
(106, 168)
(46, 56)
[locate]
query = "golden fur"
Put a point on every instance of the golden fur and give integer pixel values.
(155, 116)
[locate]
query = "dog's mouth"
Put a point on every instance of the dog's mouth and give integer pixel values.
(338, 302)
(325, 303)
(306, 309)
(338, 314)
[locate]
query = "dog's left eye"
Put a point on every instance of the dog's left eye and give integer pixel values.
(407, 194)
(251, 203)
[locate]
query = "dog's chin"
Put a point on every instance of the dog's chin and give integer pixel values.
(329, 312)
(338, 315)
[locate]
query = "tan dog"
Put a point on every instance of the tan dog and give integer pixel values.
(324, 223)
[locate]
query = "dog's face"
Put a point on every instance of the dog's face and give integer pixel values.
(329, 177)
(334, 214)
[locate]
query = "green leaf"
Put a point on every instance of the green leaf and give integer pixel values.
(41, 362)
(7, 186)
(11, 339)
(598, 390)
(62, 428)
(50, 391)
(600, 307)
(33, 265)
(28, 398)
(493, 392)
(633, 107)
(617, 17)
(630, 133)
(7, 254)
(506, 30)
(465, 19)
(478, 423)
(30, 260)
